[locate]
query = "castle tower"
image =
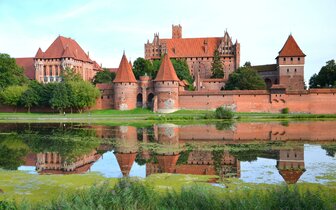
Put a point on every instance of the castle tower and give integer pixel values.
(290, 63)
(125, 87)
(166, 86)
(126, 148)
(38, 63)
(176, 31)
(291, 164)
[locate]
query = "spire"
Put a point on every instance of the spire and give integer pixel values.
(39, 53)
(125, 161)
(166, 71)
(124, 73)
(130, 63)
(291, 48)
(167, 163)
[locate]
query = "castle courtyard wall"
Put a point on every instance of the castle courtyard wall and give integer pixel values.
(315, 101)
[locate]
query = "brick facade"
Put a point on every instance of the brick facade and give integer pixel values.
(198, 52)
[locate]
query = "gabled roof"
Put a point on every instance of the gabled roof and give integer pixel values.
(291, 48)
(125, 161)
(28, 66)
(124, 73)
(58, 49)
(166, 71)
(96, 66)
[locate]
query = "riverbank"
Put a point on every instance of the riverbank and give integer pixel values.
(147, 194)
(147, 116)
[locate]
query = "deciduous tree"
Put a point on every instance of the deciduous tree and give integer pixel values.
(60, 97)
(82, 94)
(10, 73)
(326, 78)
(245, 78)
(104, 77)
(11, 95)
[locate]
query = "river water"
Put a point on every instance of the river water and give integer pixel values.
(255, 152)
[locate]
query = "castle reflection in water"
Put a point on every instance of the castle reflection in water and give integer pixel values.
(173, 158)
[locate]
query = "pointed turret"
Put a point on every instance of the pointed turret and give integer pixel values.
(39, 53)
(124, 73)
(125, 161)
(130, 63)
(291, 49)
(291, 61)
(166, 71)
(167, 163)
(291, 176)
(125, 86)
(291, 164)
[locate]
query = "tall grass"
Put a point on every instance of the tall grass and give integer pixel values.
(130, 194)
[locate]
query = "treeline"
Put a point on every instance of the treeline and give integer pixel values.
(16, 90)
(326, 78)
(143, 67)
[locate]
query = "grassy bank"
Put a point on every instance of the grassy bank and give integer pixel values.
(132, 194)
(146, 116)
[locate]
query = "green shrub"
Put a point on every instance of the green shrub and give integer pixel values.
(285, 110)
(223, 113)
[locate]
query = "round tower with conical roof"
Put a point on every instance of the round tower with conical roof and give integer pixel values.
(166, 85)
(125, 87)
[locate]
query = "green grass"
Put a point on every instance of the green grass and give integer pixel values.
(135, 194)
(19, 185)
(146, 116)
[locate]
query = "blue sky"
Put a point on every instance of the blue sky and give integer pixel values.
(106, 28)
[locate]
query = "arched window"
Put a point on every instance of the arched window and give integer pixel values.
(150, 98)
(139, 100)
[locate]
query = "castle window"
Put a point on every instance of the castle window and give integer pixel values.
(284, 59)
(291, 59)
(295, 70)
(298, 59)
(287, 70)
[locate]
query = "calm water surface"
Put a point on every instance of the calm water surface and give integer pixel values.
(253, 152)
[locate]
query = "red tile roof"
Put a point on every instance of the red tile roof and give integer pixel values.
(66, 47)
(166, 71)
(124, 73)
(96, 66)
(167, 163)
(39, 53)
(291, 48)
(291, 176)
(125, 161)
(28, 66)
(114, 70)
(191, 47)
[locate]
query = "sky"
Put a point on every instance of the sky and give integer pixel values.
(106, 28)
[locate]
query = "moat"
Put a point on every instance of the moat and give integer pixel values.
(274, 152)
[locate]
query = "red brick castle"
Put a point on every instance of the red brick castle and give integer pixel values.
(166, 93)
(62, 53)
